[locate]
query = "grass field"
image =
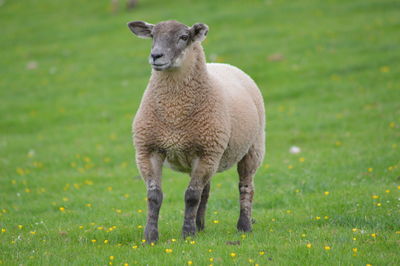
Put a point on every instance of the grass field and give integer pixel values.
(72, 76)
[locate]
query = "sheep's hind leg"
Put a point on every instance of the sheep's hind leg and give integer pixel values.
(200, 221)
(247, 168)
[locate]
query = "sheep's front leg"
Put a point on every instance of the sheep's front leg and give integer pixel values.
(200, 177)
(150, 166)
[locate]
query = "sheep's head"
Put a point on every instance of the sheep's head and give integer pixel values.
(170, 41)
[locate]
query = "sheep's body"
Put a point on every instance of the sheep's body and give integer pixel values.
(223, 111)
(243, 119)
(201, 119)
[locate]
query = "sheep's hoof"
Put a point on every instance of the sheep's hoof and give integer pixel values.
(188, 231)
(151, 235)
(244, 225)
(200, 225)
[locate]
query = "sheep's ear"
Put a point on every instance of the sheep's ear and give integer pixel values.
(199, 32)
(141, 29)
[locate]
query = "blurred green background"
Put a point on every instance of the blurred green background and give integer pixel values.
(72, 76)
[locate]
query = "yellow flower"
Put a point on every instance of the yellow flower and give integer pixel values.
(106, 241)
(338, 143)
(290, 167)
(93, 240)
(3, 230)
(251, 260)
(210, 250)
(375, 196)
(368, 264)
(354, 229)
(118, 211)
(126, 264)
(190, 262)
(309, 245)
(379, 204)
(134, 246)
(152, 244)
(81, 227)
(385, 69)
(168, 250)
(211, 259)
(140, 226)
(232, 254)
(89, 182)
(215, 221)
(32, 232)
(326, 217)
(370, 169)
(109, 188)
(387, 191)
(192, 242)
(397, 232)
(139, 211)
(326, 193)
(317, 218)
(20, 226)
(243, 236)
(355, 250)
(88, 205)
(20, 171)
(301, 159)
(173, 240)
(261, 253)
(62, 209)
(100, 228)
(289, 211)
(143, 240)
(373, 235)
(354, 239)
(112, 258)
(327, 248)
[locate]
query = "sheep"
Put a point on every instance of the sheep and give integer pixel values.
(196, 118)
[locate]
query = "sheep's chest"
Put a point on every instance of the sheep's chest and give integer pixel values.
(179, 151)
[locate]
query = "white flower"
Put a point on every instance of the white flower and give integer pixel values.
(294, 150)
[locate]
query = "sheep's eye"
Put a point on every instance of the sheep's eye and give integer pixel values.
(184, 37)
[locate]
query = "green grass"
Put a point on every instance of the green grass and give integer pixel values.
(65, 134)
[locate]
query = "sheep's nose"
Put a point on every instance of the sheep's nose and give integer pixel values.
(156, 56)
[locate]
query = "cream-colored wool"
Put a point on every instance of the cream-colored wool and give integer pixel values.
(196, 118)
(201, 109)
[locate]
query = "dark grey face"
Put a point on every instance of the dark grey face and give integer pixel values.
(170, 40)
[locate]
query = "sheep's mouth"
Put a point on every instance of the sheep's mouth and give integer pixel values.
(160, 67)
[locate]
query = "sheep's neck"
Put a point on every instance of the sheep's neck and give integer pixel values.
(179, 93)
